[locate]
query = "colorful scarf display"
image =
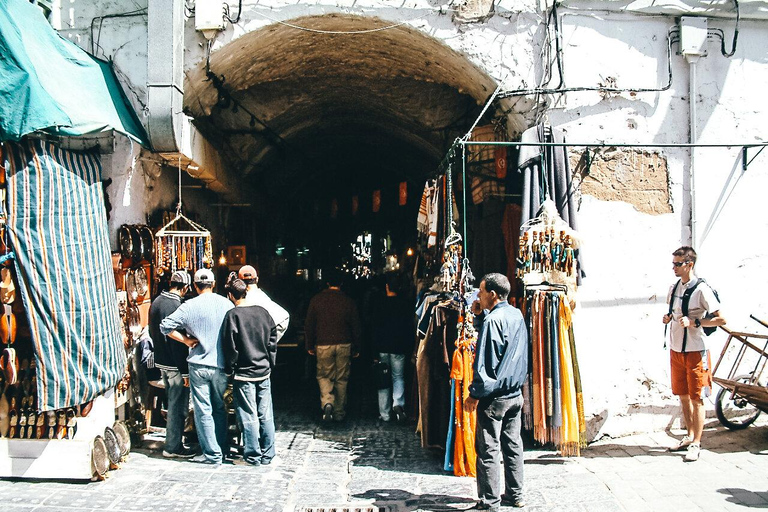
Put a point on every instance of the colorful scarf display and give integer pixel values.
(554, 405)
(465, 424)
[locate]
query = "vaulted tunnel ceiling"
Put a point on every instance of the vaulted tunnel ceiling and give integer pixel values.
(343, 111)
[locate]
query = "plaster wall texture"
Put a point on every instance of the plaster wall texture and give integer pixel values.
(619, 333)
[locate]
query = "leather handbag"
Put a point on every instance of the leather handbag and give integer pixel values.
(382, 375)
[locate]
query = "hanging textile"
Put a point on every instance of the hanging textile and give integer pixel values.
(464, 454)
(58, 229)
(554, 408)
(547, 175)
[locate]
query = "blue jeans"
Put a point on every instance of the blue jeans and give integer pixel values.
(207, 385)
(253, 401)
(178, 407)
(394, 396)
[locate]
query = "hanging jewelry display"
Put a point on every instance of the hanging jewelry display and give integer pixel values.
(182, 244)
(546, 250)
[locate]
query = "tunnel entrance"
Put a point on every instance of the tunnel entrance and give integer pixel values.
(330, 132)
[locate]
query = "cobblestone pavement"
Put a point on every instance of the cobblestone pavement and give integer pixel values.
(362, 464)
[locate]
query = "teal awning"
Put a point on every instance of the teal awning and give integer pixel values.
(49, 83)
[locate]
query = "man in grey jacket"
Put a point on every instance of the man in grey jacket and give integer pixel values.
(201, 318)
(500, 369)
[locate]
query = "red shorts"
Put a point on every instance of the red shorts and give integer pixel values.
(691, 373)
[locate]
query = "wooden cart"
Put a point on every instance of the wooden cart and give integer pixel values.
(744, 393)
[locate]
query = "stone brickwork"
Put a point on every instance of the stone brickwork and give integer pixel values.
(635, 176)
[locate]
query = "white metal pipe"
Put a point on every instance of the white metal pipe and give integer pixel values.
(692, 60)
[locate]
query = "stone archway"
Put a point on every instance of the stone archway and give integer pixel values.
(343, 112)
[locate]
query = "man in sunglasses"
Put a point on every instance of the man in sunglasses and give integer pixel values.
(689, 358)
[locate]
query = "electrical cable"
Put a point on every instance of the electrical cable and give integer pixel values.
(94, 43)
(345, 32)
(239, 12)
(523, 92)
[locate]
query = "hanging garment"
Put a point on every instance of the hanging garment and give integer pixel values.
(464, 454)
(547, 174)
(510, 228)
(555, 413)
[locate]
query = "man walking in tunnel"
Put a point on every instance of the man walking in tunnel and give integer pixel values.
(332, 332)
(501, 366)
(692, 307)
(201, 318)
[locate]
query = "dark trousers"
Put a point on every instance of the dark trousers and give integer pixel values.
(498, 429)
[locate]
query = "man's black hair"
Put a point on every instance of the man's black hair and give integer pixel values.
(237, 288)
(495, 282)
(203, 286)
(175, 285)
(333, 277)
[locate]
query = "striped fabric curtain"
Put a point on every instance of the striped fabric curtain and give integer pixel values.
(58, 230)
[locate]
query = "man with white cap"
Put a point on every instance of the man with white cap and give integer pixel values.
(171, 359)
(256, 297)
(201, 318)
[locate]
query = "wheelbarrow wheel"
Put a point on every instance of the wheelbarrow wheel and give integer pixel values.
(734, 411)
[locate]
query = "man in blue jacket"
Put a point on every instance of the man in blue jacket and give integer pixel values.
(501, 366)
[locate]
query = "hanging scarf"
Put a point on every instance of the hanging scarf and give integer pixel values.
(462, 371)
(539, 378)
(577, 382)
(569, 443)
(554, 334)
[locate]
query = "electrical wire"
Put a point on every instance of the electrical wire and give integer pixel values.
(239, 12)
(346, 32)
(95, 41)
(560, 90)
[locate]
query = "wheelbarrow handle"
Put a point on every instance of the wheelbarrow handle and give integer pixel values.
(753, 317)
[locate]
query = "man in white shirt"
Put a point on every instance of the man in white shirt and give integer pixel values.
(689, 358)
(256, 297)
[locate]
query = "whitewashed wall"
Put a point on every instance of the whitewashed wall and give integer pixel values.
(624, 367)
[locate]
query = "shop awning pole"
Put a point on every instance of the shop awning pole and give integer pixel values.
(615, 144)
(464, 196)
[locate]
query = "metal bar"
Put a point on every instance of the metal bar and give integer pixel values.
(615, 145)
(464, 197)
(750, 161)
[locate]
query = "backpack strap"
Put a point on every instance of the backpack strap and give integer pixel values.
(671, 301)
(684, 306)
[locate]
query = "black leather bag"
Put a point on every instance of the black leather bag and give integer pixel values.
(382, 375)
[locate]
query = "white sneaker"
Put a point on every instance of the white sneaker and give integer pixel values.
(692, 455)
(684, 443)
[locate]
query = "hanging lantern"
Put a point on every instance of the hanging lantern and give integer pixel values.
(403, 195)
(376, 206)
(355, 204)
(334, 208)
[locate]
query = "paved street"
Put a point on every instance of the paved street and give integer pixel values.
(362, 464)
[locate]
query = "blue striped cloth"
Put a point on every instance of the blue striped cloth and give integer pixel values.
(57, 226)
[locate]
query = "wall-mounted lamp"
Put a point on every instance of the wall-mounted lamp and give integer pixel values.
(409, 252)
(222, 259)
